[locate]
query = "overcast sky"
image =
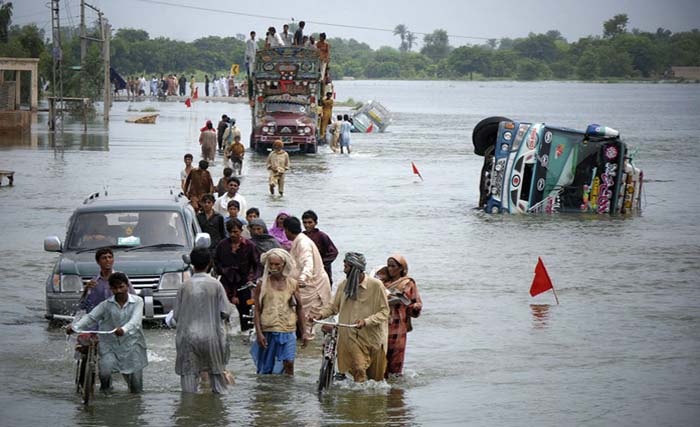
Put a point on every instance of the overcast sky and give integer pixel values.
(467, 22)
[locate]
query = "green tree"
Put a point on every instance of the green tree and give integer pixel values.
(615, 26)
(410, 40)
(5, 20)
(436, 45)
(531, 69)
(537, 46)
(588, 66)
(131, 35)
(401, 30)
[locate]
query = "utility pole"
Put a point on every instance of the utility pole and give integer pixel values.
(57, 75)
(83, 35)
(106, 36)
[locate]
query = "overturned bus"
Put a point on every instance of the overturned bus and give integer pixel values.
(535, 167)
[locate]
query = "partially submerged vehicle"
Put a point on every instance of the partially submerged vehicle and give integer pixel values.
(371, 117)
(535, 167)
(148, 238)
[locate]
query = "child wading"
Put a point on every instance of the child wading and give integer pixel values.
(278, 165)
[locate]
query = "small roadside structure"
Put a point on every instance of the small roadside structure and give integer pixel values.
(12, 118)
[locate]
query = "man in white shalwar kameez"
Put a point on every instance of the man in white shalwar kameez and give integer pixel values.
(200, 312)
(314, 285)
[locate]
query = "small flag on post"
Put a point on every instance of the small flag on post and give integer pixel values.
(188, 103)
(415, 171)
(196, 93)
(542, 282)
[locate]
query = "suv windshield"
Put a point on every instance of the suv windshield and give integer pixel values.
(93, 230)
(282, 107)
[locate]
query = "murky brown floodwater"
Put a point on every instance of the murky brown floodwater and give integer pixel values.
(623, 348)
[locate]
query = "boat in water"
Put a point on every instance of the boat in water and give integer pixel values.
(371, 117)
(535, 167)
(149, 119)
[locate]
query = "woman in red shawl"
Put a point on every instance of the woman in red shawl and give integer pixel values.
(404, 303)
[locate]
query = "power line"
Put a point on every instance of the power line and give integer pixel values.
(277, 18)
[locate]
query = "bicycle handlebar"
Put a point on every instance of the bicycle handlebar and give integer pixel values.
(344, 325)
(95, 332)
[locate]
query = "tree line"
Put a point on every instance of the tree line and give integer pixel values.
(617, 53)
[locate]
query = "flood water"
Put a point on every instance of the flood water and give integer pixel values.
(622, 348)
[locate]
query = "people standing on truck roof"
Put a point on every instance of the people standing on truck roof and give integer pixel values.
(198, 183)
(278, 315)
(287, 37)
(201, 311)
(278, 165)
(220, 128)
(232, 194)
(206, 85)
(207, 139)
(236, 260)
(305, 41)
(274, 39)
(327, 113)
(97, 289)
(188, 168)
(251, 47)
(324, 54)
(299, 34)
(124, 351)
(312, 43)
(345, 129)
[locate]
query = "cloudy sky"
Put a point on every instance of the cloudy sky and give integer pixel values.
(372, 21)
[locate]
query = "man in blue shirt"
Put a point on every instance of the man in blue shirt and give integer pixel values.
(124, 351)
(97, 289)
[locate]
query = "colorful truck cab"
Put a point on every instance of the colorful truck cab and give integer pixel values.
(534, 167)
(286, 91)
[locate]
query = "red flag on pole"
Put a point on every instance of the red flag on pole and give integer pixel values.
(196, 93)
(415, 171)
(541, 282)
(188, 103)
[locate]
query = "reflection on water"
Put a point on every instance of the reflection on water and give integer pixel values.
(200, 409)
(540, 315)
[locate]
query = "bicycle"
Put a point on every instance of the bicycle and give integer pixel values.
(251, 302)
(330, 351)
(87, 365)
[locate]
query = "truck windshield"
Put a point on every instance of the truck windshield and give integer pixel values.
(93, 230)
(282, 107)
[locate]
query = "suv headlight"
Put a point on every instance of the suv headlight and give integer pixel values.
(173, 281)
(71, 283)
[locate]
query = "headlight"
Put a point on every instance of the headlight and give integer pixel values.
(507, 136)
(265, 128)
(504, 147)
(171, 280)
(307, 130)
(71, 283)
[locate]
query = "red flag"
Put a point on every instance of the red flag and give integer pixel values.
(188, 103)
(370, 128)
(196, 93)
(541, 282)
(415, 170)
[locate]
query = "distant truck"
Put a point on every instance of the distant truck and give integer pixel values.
(286, 90)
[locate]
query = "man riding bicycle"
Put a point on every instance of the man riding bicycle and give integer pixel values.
(125, 350)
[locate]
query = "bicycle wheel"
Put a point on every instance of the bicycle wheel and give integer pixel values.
(89, 374)
(326, 375)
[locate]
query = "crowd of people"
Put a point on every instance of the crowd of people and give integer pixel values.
(279, 279)
(136, 88)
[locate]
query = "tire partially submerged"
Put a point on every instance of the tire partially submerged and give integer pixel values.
(484, 140)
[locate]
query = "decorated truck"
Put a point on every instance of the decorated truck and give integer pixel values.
(535, 167)
(286, 88)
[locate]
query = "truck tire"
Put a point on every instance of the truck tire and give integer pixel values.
(485, 133)
(311, 148)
